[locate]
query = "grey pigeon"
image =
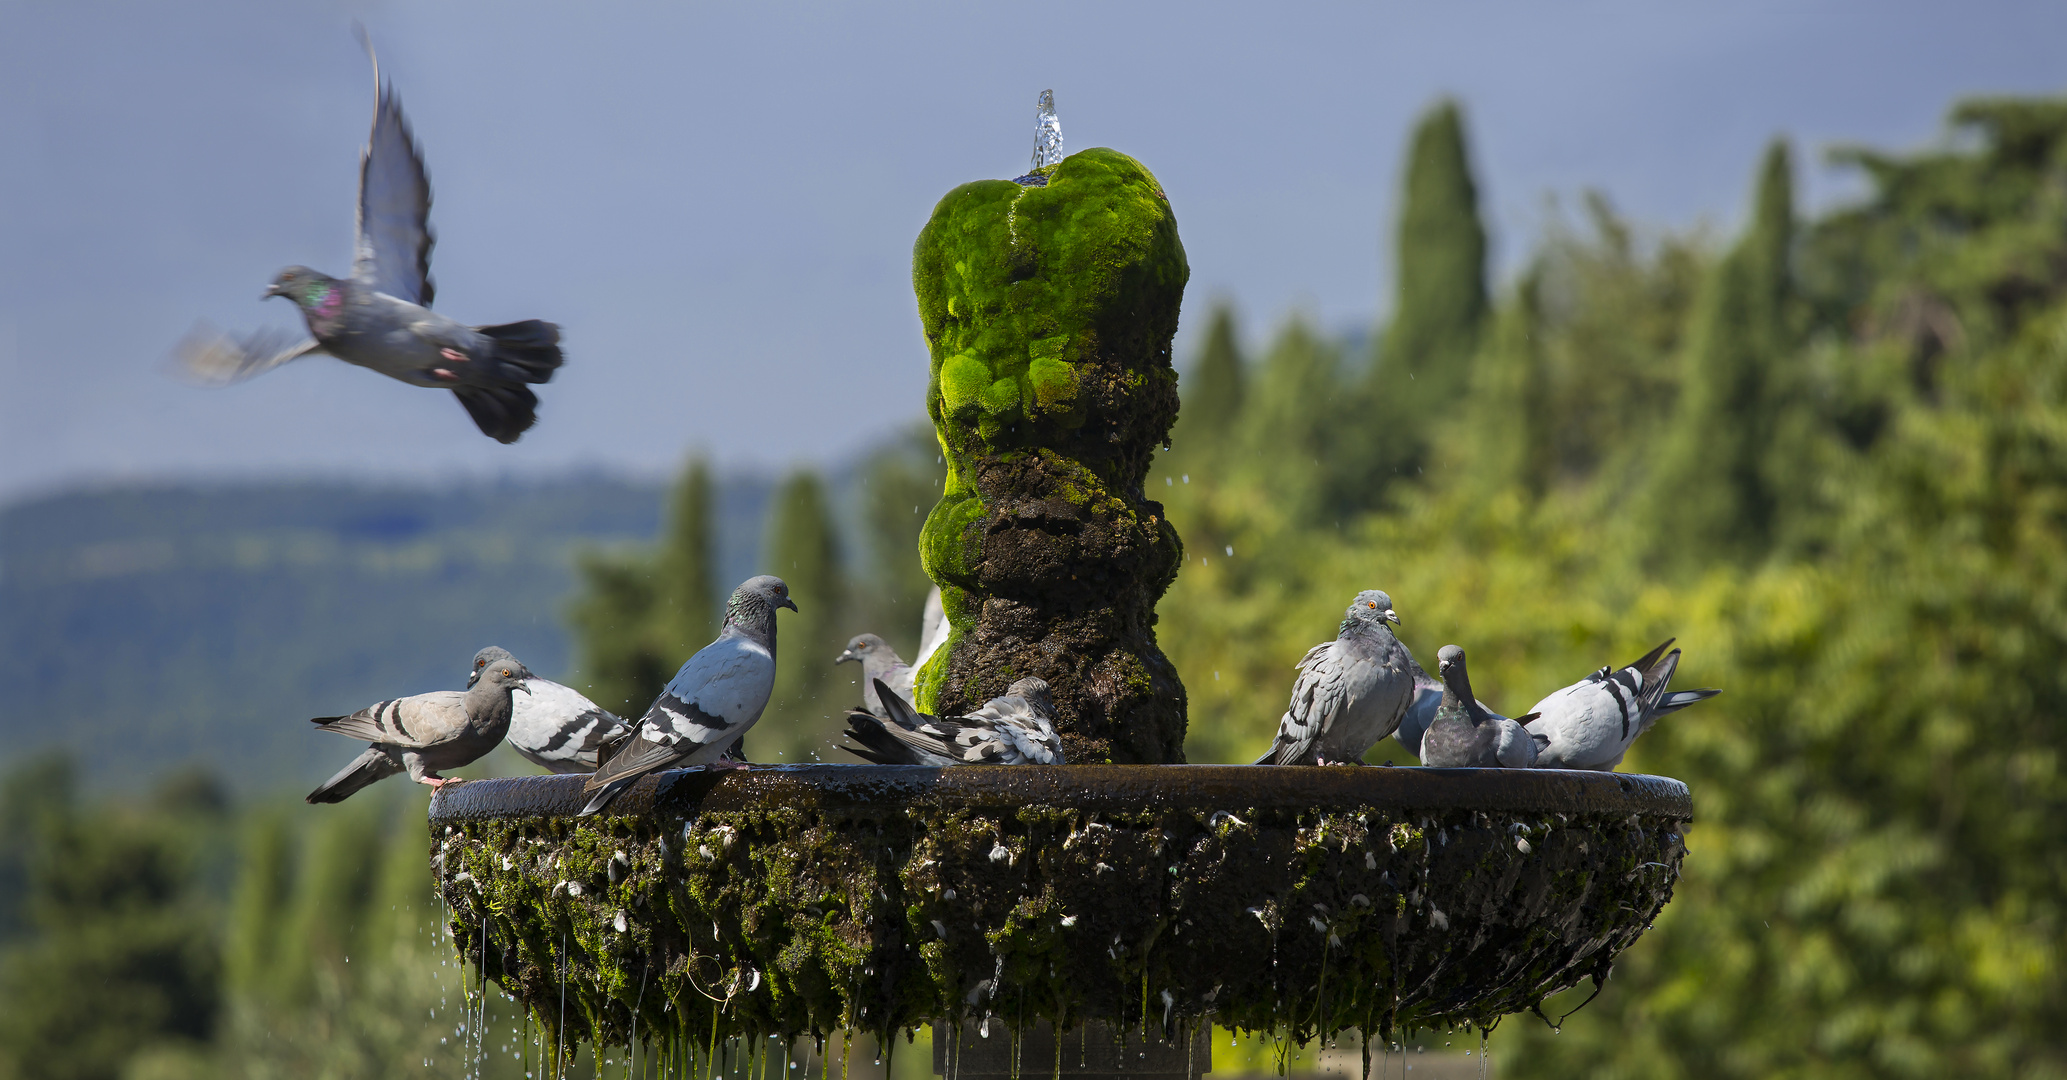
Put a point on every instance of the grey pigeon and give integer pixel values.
(1464, 734)
(1351, 692)
(710, 702)
(878, 662)
(1591, 723)
(380, 317)
(932, 628)
(424, 734)
(1428, 696)
(1015, 729)
(554, 726)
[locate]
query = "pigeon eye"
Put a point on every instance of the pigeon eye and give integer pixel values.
(505, 673)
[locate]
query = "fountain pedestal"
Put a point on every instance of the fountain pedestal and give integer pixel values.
(808, 899)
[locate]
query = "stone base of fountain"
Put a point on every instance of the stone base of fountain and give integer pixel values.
(802, 900)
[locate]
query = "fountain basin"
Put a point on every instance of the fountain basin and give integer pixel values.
(801, 900)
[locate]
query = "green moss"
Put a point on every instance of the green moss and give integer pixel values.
(799, 922)
(1048, 314)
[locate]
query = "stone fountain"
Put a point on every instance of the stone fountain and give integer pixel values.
(1128, 894)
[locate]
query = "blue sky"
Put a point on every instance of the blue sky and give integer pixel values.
(718, 202)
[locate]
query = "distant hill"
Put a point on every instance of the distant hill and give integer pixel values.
(147, 627)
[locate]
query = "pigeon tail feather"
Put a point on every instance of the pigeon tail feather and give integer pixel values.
(878, 744)
(368, 768)
(532, 347)
(1680, 699)
(503, 413)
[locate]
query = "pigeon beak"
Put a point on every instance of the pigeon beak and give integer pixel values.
(272, 291)
(789, 603)
(521, 686)
(845, 656)
(474, 678)
(1392, 616)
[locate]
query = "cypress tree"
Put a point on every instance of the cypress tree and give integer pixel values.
(259, 908)
(687, 600)
(1423, 366)
(1507, 439)
(621, 665)
(802, 551)
(1715, 490)
(1212, 394)
(331, 914)
(1292, 426)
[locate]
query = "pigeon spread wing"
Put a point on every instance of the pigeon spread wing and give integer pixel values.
(213, 358)
(411, 722)
(394, 247)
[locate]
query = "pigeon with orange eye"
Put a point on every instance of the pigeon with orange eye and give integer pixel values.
(425, 734)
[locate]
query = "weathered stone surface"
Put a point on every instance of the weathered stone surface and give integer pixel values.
(812, 898)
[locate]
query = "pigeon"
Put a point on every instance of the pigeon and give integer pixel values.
(1351, 692)
(553, 726)
(380, 316)
(1428, 696)
(709, 703)
(932, 628)
(879, 662)
(1591, 723)
(1465, 735)
(1016, 729)
(423, 734)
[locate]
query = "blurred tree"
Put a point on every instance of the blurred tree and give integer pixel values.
(641, 612)
(1423, 365)
(803, 552)
(259, 907)
(1294, 427)
(1506, 442)
(1213, 389)
(900, 482)
(124, 958)
(622, 664)
(685, 570)
(1716, 492)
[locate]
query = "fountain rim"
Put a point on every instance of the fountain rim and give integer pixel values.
(1108, 788)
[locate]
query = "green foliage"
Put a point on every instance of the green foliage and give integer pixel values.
(900, 482)
(122, 958)
(1423, 367)
(642, 611)
(802, 550)
(686, 563)
(1717, 490)
(1213, 390)
(1843, 442)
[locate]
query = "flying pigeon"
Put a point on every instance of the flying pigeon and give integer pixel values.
(380, 317)
(1465, 735)
(879, 662)
(1351, 692)
(710, 702)
(1591, 723)
(932, 628)
(553, 726)
(1016, 729)
(423, 734)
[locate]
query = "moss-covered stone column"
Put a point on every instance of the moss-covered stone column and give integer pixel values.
(1048, 312)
